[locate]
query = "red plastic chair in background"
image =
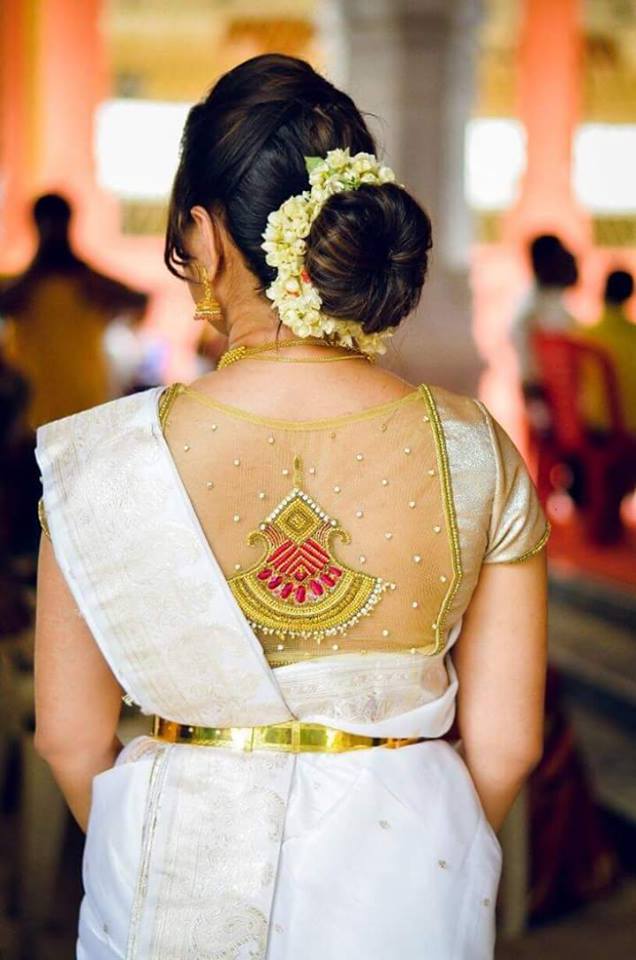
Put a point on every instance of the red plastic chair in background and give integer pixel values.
(607, 459)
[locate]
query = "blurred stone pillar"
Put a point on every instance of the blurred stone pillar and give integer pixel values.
(53, 75)
(550, 77)
(17, 135)
(72, 80)
(411, 63)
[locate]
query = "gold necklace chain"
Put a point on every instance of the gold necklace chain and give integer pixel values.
(354, 356)
(244, 353)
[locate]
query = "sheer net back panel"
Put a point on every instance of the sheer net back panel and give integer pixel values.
(334, 535)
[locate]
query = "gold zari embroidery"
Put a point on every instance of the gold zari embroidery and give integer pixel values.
(166, 400)
(298, 588)
(538, 547)
(42, 518)
(451, 520)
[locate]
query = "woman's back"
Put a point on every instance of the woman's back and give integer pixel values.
(326, 530)
(343, 532)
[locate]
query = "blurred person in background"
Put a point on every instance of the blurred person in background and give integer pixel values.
(543, 310)
(19, 494)
(19, 476)
(59, 309)
(572, 858)
(615, 333)
(555, 270)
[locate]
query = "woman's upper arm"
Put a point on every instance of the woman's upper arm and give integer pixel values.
(501, 659)
(77, 698)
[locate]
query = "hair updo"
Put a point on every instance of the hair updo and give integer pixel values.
(243, 153)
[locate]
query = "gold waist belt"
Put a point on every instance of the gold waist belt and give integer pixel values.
(291, 737)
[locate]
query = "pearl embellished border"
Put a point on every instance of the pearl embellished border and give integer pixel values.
(451, 519)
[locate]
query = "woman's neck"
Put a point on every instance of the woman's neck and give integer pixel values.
(253, 322)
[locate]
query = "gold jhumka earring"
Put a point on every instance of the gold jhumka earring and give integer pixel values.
(206, 307)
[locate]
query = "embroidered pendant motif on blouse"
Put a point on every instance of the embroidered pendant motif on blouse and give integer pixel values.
(298, 587)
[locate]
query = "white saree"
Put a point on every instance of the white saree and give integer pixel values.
(202, 853)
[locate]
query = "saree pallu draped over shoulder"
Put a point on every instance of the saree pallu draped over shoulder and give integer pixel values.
(197, 853)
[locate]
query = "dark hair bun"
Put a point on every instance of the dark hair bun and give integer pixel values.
(243, 154)
(367, 255)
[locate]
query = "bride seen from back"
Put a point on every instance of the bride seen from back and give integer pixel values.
(302, 569)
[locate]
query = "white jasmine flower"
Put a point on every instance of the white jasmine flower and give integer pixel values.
(284, 242)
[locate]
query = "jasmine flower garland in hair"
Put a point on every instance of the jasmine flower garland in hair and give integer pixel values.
(292, 292)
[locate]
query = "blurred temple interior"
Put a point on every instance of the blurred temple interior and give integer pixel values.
(514, 123)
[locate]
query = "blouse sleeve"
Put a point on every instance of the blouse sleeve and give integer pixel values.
(518, 527)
